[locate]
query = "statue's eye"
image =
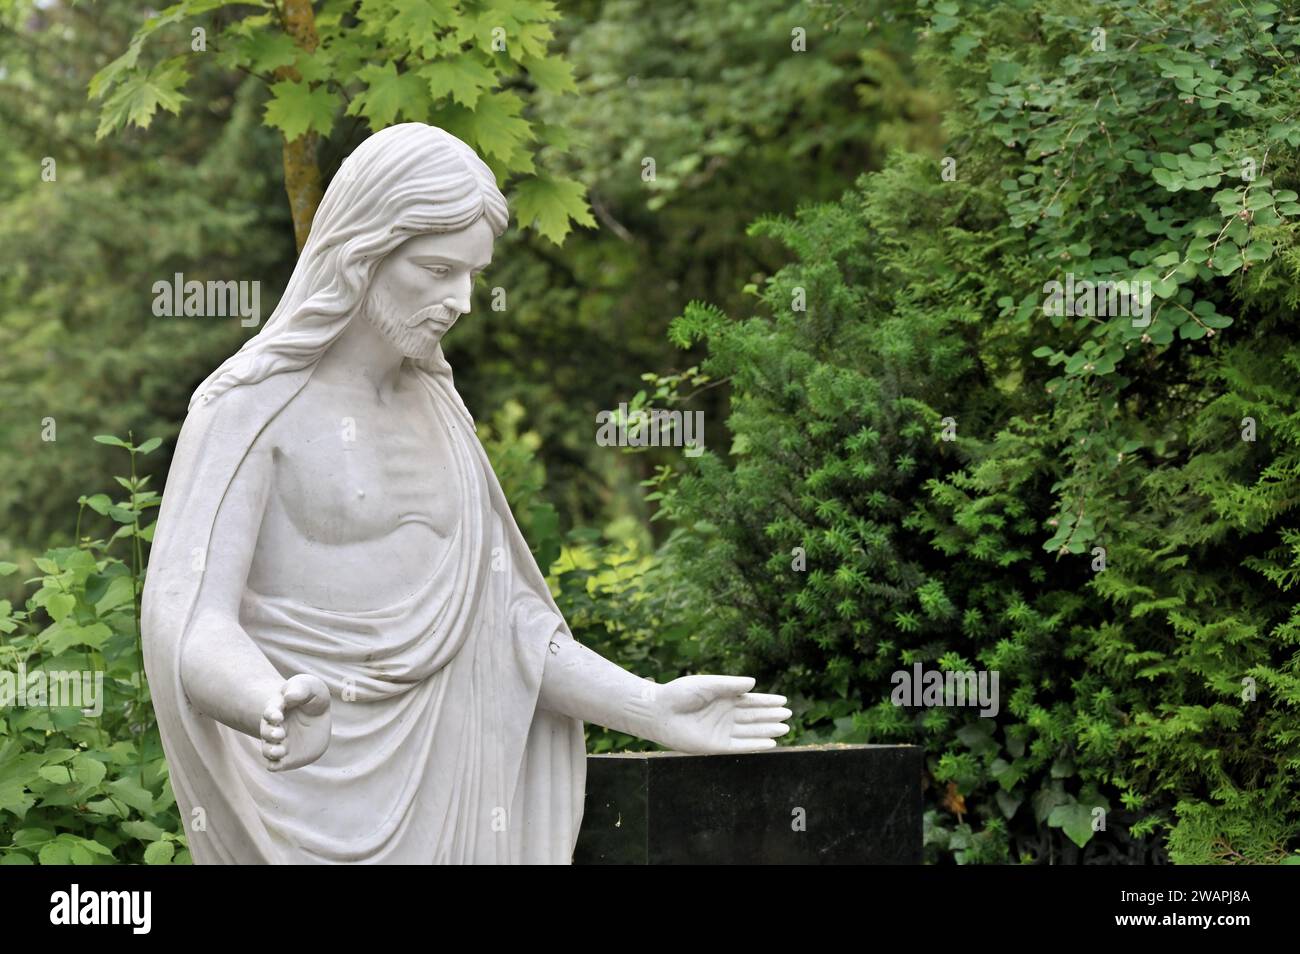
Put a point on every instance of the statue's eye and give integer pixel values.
(438, 271)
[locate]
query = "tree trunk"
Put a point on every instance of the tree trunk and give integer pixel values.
(302, 180)
(302, 183)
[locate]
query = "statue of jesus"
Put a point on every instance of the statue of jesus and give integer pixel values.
(351, 650)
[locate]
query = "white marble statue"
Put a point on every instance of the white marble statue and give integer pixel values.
(351, 651)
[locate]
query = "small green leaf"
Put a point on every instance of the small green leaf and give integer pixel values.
(143, 830)
(1075, 820)
(159, 853)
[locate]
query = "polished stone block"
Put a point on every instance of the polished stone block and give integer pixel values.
(817, 804)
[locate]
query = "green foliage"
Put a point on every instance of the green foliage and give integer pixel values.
(523, 479)
(86, 783)
(81, 349)
(737, 122)
(457, 64)
(1074, 501)
(1208, 835)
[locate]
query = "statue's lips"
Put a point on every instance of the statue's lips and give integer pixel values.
(435, 315)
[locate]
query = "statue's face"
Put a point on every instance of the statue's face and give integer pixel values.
(423, 286)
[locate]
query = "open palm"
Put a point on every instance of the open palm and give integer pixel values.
(709, 715)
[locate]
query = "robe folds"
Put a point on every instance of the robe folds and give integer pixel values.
(439, 752)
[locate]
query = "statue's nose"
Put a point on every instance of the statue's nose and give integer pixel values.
(459, 303)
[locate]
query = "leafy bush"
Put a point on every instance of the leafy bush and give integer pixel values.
(79, 788)
(1099, 510)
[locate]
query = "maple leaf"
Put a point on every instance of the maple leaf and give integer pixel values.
(264, 51)
(464, 78)
(140, 95)
(296, 108)
(498, 128)
(115, 72)
(412, 23)
(532, 40)
(550, 205)
(388, 94)
(551, 74)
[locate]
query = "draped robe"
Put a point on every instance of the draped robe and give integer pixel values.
(439, 752)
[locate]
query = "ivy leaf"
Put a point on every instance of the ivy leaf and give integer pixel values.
(1008, 803)
(141, 95)
(463, 78)
(1075, 820)
(295, 108)
(550, 205)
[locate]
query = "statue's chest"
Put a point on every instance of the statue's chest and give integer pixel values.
(363, 476)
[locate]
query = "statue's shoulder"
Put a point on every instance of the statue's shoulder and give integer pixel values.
(247, 416)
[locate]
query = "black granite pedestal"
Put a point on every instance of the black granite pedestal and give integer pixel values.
(817, 804)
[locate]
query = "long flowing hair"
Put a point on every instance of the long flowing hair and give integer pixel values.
(405, 180)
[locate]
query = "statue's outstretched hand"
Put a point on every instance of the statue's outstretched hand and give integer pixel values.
(296, 724)
(714, 715)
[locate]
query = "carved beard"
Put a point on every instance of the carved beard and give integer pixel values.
(405, 334)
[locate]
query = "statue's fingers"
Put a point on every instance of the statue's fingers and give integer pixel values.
(729, 685)
(764, 699)
(745, 714)
(272, 733)
(760, 730)
(307, 693)
(273, 714)
(273, 752)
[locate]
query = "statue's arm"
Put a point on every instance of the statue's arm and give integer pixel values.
(224, 674)
(579, 682)
(699, 714)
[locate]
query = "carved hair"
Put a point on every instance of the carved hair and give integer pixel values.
(407, 180)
